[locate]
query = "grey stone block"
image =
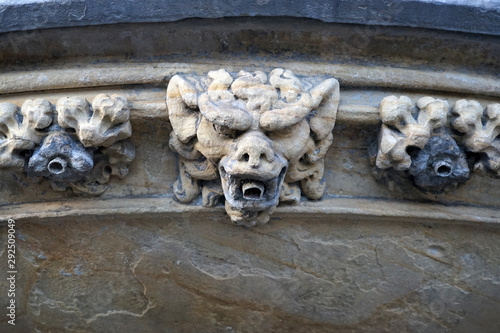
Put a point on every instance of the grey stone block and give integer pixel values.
(456, 15)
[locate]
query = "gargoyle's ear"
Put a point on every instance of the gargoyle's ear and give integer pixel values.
(182, 104)
(325, 99)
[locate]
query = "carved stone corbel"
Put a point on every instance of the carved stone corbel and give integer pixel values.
(416, 144)
(251, 139)
(79, 147)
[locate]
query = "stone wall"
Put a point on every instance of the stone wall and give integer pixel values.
(183, 273)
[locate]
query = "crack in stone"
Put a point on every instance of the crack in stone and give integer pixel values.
(43, 299)
(149, 306)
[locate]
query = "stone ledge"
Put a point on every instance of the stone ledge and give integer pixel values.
(104, 75)
(349, 209)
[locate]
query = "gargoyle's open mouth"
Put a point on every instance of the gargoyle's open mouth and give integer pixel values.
(253, 189)
(251, 192)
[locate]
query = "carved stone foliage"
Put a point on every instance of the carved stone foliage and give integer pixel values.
(72, 144)
(481, 129)
(251, 139)
(436, 147)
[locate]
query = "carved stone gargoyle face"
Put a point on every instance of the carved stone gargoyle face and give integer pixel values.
(252, 139)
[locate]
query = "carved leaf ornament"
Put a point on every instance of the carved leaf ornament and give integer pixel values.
(419, 141)
(481, 129)
(78, 146)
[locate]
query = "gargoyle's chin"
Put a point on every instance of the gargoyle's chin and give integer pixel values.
(250, 192)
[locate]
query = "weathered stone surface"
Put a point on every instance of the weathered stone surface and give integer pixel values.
(181, 273)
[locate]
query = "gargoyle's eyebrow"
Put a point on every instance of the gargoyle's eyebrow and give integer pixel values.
(230, 114)
(278, 119)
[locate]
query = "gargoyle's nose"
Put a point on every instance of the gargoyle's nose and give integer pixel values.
(254, 152)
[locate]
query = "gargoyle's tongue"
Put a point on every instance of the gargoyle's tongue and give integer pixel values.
(253, 190)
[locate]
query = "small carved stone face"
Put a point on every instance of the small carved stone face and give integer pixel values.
(252, 166)
(253, 138)
(440, 166)
(60, 158)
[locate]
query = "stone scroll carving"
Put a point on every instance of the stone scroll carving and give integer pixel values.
(437, 147)
(250, 139)
(72, 144)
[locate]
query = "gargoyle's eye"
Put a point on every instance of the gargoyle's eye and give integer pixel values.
(226, 131)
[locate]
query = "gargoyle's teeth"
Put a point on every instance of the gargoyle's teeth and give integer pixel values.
(253, 190)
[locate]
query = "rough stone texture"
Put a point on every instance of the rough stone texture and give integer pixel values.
(180, 273)
(459, 15)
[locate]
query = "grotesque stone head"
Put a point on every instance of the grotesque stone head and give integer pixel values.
(251, 139)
